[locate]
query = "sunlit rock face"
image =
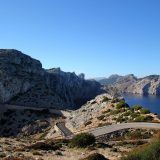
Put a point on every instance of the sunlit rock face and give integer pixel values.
(24, 82)
(132, 84)
(18, 73)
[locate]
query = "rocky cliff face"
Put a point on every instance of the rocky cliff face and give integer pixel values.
(18, 73)
(131, 84)
(24, 82)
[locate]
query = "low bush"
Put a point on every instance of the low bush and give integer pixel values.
(113, 112)
(82, 140)
(127, 113)
(146, 152)
(144, 111)
(105, 99)
(134, 115)
(44, 146)
(122, 104)
(137, 107)
(143, 119)
(95, 156)
(137, 134)
(122, 119)
(149, 118)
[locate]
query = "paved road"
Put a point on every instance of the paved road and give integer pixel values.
(111, 128)
(96, 131)
(55, 111)
(66, 132)
(115, 127)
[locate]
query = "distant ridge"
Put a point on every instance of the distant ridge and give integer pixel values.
(131, 84)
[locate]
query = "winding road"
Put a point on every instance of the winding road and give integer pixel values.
(116, 127)
(99, 131)
(111, 128)
(64, 130)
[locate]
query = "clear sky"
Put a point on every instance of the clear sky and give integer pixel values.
(96, 37)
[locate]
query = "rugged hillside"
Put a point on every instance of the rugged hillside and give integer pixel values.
(24, 82)
(131, 84)
(106, 110)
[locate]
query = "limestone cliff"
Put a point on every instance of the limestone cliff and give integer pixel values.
(132, 84)
(24, 82)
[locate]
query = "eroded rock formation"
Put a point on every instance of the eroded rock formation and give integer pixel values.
(24, 82)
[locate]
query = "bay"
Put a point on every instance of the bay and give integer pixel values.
(150, 102)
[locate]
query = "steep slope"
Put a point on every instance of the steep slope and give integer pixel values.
(24, 82)
(106, 110)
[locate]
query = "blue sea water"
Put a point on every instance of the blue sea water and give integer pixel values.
(150, 102)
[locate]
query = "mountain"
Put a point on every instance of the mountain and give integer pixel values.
(99, 78)
(131, 84)
(110, 80)
(24, 82)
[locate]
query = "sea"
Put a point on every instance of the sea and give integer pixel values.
(150, 102)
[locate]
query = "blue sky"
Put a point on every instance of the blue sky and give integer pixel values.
(96, 37)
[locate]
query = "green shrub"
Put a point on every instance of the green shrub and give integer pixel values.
(149, 118)
(134, 115)
(105, 99)
(134, 135)
(82, 140)
(144, 111)
(122, 104)
(121, 119)
(95, 156)
(149, 152)
(140, 119)
(127, 113)
(137, 107)
(113, 112)
(143, 118)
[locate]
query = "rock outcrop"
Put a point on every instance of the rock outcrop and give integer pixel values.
(18, 73)
(132, 84)
(86, 116)
(24, 82)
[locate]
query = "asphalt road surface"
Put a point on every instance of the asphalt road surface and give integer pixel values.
(115, 127)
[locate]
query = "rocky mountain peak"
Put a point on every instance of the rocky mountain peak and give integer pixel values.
(24, 82)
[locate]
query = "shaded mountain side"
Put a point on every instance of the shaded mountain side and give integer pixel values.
(24, 82)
